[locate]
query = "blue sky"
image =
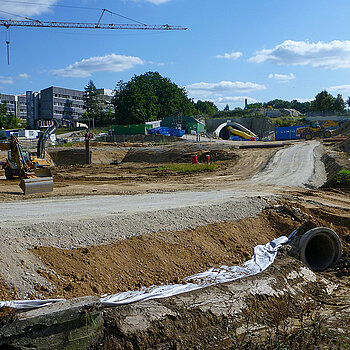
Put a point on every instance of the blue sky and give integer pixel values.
(260, 50)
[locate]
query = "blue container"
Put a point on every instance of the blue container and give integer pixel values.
(286, 133)
(160, 131)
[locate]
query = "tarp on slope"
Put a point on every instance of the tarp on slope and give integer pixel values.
(263, 257)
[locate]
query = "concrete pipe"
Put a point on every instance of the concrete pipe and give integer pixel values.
(320, 248)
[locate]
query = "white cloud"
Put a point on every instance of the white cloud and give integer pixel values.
(26, 7)
(108, 63)
(235, 99)
(6, 80)
(343, 88)
(332, 55)
(23, 76)
(302, 100)
(224, 86)
(283, 78)
(230, 56)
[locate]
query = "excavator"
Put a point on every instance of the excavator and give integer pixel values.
(33, 170)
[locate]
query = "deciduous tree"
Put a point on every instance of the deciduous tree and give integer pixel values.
(149, 97)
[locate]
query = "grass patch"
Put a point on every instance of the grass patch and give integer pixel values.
(188, 168)
(343, 177)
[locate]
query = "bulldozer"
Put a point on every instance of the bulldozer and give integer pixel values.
(314, 129)
(33, 169)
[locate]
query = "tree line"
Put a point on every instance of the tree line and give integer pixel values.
(144, 98)
(150, 96)
(323, 102)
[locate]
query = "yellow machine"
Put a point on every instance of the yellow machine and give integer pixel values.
(242, 134)
(33, 170)
(314, 129)
(330, 124)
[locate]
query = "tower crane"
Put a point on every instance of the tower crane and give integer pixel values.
(29, 22)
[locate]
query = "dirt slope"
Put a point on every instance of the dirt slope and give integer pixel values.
(168, 257)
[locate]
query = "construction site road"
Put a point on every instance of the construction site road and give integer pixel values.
(299, 165)
(35, 211)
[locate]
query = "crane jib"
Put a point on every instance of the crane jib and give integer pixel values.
(39, 24)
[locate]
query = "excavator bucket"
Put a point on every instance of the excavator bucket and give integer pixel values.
(43, 172)
(36, 185)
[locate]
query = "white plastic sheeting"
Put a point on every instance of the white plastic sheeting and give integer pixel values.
(263, 257)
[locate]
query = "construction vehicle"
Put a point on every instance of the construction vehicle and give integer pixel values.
(314, 129)
(34, 170)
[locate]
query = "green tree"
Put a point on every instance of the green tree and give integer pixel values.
(95, 106)
(206, 107)
(325, 102)
(91, 99)
(227, 108)
(3, 113)
(254, 105)
(339, 104)
(149, 97)
(8, 121)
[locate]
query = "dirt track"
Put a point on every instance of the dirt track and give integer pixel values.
(135, 176)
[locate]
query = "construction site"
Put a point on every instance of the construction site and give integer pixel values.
(149, 245)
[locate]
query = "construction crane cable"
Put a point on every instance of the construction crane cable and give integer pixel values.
(75, 7)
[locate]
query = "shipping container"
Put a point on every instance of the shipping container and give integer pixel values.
(286, 133)
(135, 129)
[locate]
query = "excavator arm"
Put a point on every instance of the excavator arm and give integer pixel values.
(43, 137)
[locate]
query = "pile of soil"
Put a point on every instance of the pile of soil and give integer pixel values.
(343, 130)
(180, 153)
(168, 257)
(156, 258)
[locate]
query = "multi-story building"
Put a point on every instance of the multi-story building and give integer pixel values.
(16, 105)
(39, 108)
(54, 103)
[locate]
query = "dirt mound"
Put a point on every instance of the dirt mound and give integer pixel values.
(168, 257)
(77, 156)
(345, 146)
(179, 153)
(343, 130)
(155, 258)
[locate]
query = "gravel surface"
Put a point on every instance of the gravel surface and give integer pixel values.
(299, 165)
(19, 266)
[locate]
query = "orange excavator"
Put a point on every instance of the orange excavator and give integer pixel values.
(33, 170)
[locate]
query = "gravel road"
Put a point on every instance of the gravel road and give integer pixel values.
(296, 166)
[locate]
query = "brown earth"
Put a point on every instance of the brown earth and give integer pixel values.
(137, 176)
(168, 257)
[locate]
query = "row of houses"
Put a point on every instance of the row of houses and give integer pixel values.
(39, 108)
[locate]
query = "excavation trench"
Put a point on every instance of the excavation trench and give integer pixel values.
(168, 257)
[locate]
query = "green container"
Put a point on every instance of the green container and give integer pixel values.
(138, 129)
(197, 127)
(135, 129)
(121, 129)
